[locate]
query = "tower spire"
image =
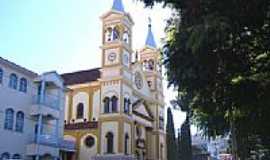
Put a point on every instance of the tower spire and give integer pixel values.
(150, 40)
(118, 6)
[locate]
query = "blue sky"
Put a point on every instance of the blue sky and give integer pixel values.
(65, 35)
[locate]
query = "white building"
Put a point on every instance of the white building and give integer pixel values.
(218, 148)
(31, 114)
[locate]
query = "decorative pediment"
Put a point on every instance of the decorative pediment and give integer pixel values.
(141, 109)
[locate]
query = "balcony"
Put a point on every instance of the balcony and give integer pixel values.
(48, 140)
(81, 125)
(49, 106)
(49, 144)
(42, 145)
(45, 139)
(49, 101)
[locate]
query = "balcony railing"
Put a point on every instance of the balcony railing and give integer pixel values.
(53, 141)
(48, 140)
(48, 101)
(81, 125)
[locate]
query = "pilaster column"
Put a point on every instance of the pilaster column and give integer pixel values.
(59, 98)
(42, 91)
(57, 129)
(38, 135)
(39, 127)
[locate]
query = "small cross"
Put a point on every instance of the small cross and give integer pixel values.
(149, 20)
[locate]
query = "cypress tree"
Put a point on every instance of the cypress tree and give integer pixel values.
(170, 137)
(179, 144)
(185, 141)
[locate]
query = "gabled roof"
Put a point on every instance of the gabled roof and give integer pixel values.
(118, 6)
(141, 109)
(80, 77)
(18, 67)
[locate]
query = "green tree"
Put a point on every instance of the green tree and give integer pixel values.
(217, 54)
(170, 137)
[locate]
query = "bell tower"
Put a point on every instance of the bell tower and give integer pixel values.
(115, 105)
(150, 60)
(116, 37)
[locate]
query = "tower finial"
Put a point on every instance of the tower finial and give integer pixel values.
(150, 40)
(149, 22)
(118, 6)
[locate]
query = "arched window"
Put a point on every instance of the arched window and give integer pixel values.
(23, 85)
(115, 34)
(114, 103)
(126, 143)
(126, 105)
(19, 121)
(1, 75)
(106, 102)
(126, 37)
(5, 156)
(16, 156)
(151, 64)
(109, 138)
(108, 34)
(80, 111)
(9, 116)
(149, 83)
(145, 65)
(13, 81)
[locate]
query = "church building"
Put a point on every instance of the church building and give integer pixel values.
(116, 112)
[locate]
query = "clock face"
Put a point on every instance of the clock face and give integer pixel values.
(112, 56)
(138, 80)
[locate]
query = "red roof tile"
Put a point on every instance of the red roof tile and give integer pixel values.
(80, 77)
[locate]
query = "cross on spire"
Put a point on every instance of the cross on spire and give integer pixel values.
(149, 21)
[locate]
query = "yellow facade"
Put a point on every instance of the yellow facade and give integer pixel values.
(119, 112)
